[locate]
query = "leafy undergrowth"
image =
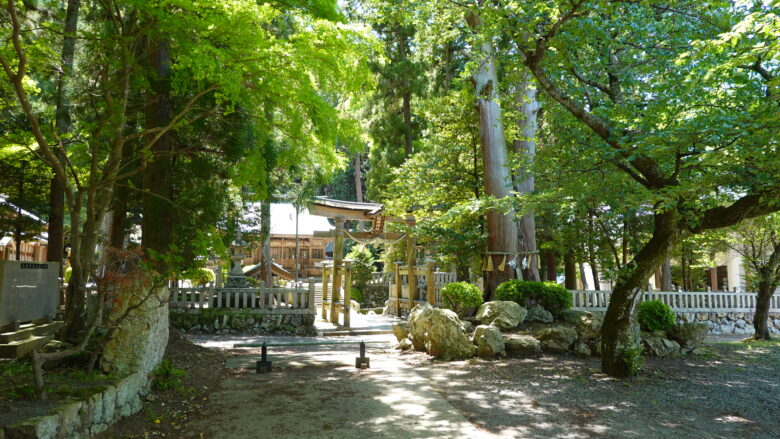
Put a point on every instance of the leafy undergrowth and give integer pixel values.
(62, 383)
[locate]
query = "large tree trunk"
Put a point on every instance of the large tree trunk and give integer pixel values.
(582, 275)
(358, 179)
(265, 236)
(359, 186)
(762, 310)
(85, 240)
(770, 278)
(525, 146)
(462, 272)
(406, 98)
(666, 276)
(594, 269)
(157, 227)
(620, 332)
(550, 265)
(501, 228)
(56, 228)
(121, 201)
(570, 269)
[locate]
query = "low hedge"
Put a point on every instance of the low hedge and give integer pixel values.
(549, 295)
(461, 297)
(655, 315)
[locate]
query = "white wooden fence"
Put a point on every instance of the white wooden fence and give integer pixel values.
(275, 300)
(683, 301)
(440, 279)
(382, 279)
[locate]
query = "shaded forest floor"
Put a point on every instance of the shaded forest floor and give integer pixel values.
(167, 412)
(731, 391)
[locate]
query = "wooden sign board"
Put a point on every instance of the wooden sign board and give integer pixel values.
(28, 291)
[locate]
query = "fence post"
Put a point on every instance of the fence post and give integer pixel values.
(347, 292)
(398, 289)
(325, 275)
(312, 287)
(431, 284)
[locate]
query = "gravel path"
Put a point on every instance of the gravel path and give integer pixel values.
(733, 391)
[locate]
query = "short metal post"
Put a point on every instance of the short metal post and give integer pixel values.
(263, 365)
(362, 362)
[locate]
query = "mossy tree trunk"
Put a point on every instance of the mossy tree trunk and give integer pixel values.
(501, 227)
(620, 332)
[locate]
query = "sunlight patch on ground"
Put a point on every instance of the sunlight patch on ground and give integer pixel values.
(733, 419)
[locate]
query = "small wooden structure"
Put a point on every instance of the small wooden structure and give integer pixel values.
(339, 272)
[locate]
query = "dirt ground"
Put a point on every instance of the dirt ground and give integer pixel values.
(167, 413)
(732, 391)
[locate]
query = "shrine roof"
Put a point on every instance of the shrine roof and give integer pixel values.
(348, 210)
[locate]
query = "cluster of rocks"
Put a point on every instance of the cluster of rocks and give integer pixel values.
(441, 334)
(730, 322)
(242, 322)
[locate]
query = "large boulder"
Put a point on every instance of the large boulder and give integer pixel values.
(572, 316)
(489, 342)
(658, 346)
(141, 314)
(557, 339)
(688, 335)
(522, 345)
(589, 328)
(539, 314)
(415, 316)
(581, 349)
(502, 314)
(401, 331)
(439, 333)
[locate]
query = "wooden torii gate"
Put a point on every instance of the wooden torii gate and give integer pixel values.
(342, 211)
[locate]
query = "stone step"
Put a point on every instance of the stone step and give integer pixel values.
(28, 330)
(18, 349)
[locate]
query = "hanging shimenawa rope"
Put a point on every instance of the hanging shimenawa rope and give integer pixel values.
(375, 239)
(508, 258)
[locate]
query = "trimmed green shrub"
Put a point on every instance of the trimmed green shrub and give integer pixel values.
(461, 297)
(548, 295)
(362, 270)
(655, 315)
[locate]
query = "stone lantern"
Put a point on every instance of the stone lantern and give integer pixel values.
(236, 277)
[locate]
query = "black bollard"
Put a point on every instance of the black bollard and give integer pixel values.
(263, 365)
(362, 362)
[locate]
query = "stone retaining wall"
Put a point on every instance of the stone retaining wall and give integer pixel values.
(229, 321)
(82, 419)
(740, 323)
(730, 322)
(374, 296)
